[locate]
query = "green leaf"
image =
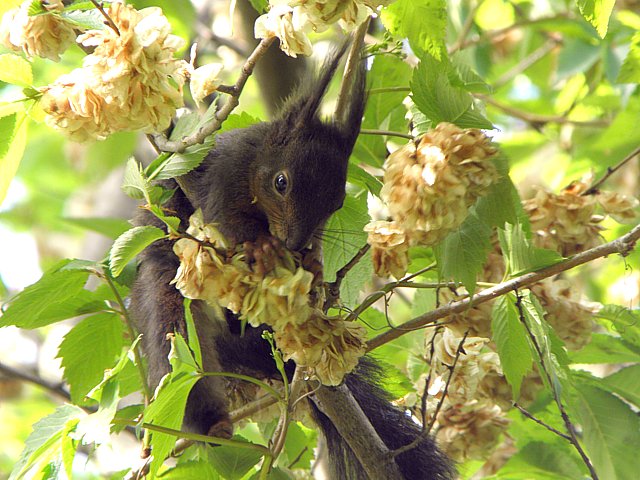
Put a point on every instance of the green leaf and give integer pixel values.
(542, 461)
(462, 254)
(597, 13)
(192, 334)
(232, 462)
(130, 244)
(179, 164)
(58, 295)
(622, 320)
(549, 351)
(191, 470)
(625, 383)
(89, 348)
(299, 446)
(135, 184)
(85, 19)
(362, 178)
(343, 237)
(423, 22)
(610, 432)
(45, 439)
(12, 144)
(519, 253)
(259, 5)
(606, 349)
(511, 341)
(167, 410)
(7, 5)
(15, 70)
(630, 70)
(444, 100)
(96, 427)
(109, 227)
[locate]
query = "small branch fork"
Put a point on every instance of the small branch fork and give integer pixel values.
(333, 289)
(108, 21)
(610, 171)
(622, 245)
(234, 92)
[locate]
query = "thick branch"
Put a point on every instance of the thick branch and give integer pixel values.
(622, 245)
(56, 389)
(200, 136)
(338, 404)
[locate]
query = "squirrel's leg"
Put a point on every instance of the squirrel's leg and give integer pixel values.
(157, 307)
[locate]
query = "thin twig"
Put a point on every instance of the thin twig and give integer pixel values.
(56, 388)
(528, 61)
(622, 245)
(108, 19)
(466, 28)
(201, 135)
(556, 395)
(610, 171)
(540, 422)
(537, 119)
(375, 91)
(333, 289)
(427, 430)
(136, 350)
(350, 70)
(366, 131)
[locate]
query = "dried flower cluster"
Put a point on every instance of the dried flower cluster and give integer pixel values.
(568, 223)
(292, 20)
(130, 82)
(46, 35)
(266, 286)
(428, 188)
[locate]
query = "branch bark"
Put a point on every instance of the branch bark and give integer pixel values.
(338, 404)
(622, 245)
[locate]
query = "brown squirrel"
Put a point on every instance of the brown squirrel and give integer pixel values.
(282, 178)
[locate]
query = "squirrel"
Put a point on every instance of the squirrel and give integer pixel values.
(279, 179)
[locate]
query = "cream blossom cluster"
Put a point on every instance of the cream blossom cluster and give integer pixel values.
(568, 222)
(130, 82)
(267, 286)
(292, 20)
(45, 35)
(428, 188)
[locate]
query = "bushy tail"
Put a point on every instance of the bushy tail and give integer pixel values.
(395, 428)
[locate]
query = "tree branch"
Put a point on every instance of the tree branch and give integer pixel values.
(338, 404)
(56, 389)
(610, 171)
(622, 245)
(201, 135)
(333, 289)
(540, 422)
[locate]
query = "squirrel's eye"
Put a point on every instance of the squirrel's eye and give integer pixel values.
(281, 183)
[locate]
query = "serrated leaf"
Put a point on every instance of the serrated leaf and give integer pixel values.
(58, 295)
(423, 22)
(623, 320)
(299, 446)
(109, 227)
(130, 244)
(630, 69)
(12, 147)
(180, 164)
(541, 460)
(15, 70)
(520, 255)
(625, 383)
(597, 13)
(192, 334)
(610, 432)
(135, 184)
(343, 237)
(442, 100)
(191, 470)
(511, 342)
(45, 437)
(89, 348)
(362, 178)
(9, 108)
(552, 355)
(167, 410)
(85, 19)
(462, 254)
(606, 349)
(232, 462)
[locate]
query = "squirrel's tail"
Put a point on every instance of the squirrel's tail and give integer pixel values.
(395, 428)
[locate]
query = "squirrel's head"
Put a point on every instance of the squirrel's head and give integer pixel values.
(301, 174)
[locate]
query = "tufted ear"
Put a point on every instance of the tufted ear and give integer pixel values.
(300, 111)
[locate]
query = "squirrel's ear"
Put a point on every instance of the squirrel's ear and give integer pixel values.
(302, 106)
(351, 118)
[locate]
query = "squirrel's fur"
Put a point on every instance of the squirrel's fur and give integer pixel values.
(234, 187)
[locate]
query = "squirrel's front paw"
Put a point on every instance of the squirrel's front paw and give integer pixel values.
(262, 254)
(221, 429)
